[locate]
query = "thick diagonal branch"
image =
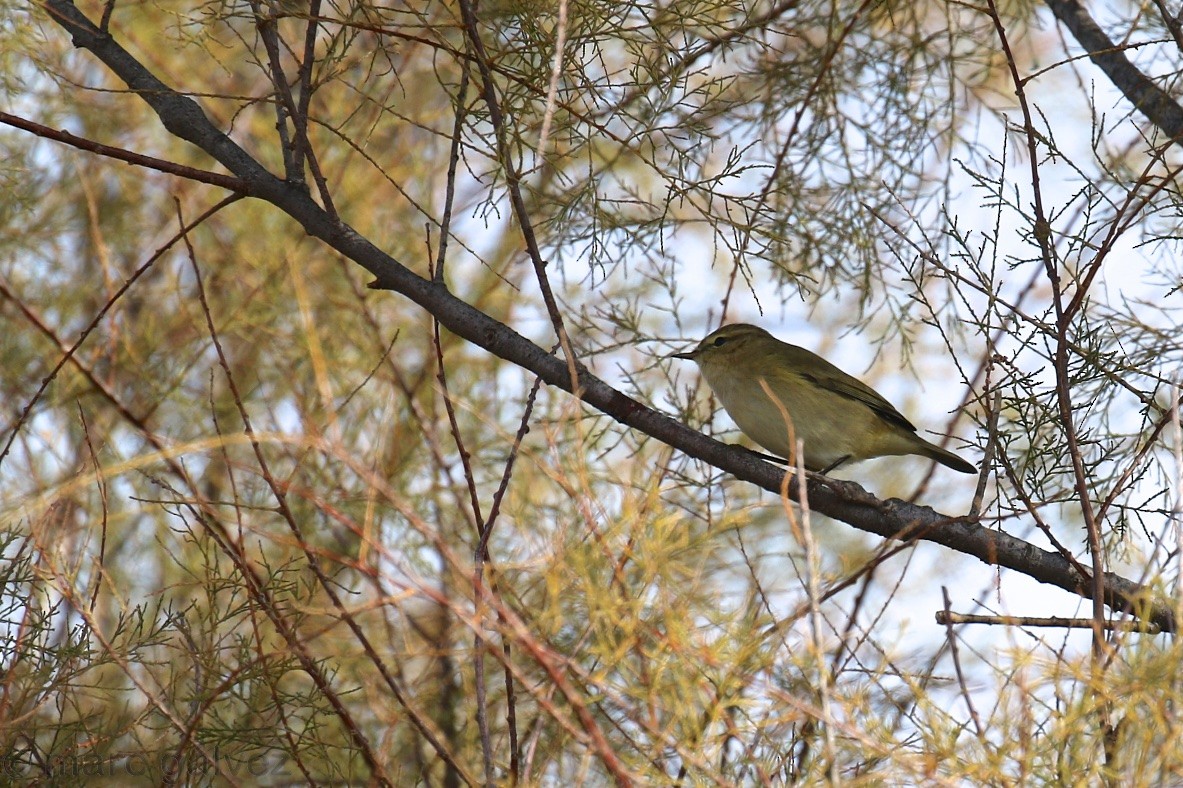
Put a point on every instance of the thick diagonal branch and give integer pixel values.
(1147, 97)
(843, 501)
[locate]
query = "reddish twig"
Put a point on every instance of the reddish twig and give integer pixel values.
(228, 182)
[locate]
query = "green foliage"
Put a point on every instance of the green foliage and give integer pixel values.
(242, 496)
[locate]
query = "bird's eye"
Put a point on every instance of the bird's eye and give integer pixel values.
(720, 341)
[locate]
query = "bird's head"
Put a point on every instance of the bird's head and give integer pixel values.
(727, 344)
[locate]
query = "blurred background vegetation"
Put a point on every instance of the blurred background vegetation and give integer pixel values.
(242, 519)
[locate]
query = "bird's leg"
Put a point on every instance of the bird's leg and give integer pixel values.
(832, 466)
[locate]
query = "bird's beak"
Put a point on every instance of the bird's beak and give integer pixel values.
(689, 355)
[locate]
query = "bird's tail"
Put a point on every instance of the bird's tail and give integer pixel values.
(946, 457)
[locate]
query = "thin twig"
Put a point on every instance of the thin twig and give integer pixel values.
(483, 552)
(513, 182)
(480, 558)
(450, 183)
(947, 617)
(556, 71)
(951, 639)
(1177, 503)
(101, 484)
(239, 186)
(329, 587)
(302, 145)
(805, 108)
(975, 508)
(813, 570)
(68, 355)
(1043, 234)
(285, 107)
(846, 501)
(1033, 509)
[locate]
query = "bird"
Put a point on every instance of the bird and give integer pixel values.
(780, 393)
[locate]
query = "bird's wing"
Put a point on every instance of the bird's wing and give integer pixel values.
(825, 375)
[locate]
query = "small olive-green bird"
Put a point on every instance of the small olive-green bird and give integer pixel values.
(837, 417)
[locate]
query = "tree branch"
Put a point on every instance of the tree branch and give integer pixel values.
(845, 501)
(1147, 97)
(120, 154)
